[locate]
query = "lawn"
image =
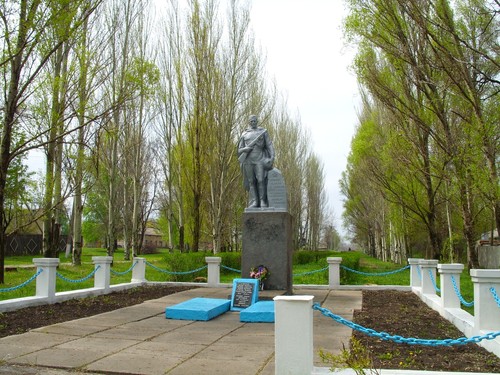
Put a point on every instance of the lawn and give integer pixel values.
(309, 267)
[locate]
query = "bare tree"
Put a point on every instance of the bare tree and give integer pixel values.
(26, 24)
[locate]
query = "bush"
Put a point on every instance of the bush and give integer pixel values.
(148, 249)
(184, 262)
(351, 260)
(308, 256)
(232, 260)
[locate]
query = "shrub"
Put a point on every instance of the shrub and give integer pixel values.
(183, 262)
(309, 256)
(232, 260)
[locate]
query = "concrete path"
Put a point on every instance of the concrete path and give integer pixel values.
(140, 340)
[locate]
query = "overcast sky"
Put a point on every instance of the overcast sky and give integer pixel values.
(306, 54)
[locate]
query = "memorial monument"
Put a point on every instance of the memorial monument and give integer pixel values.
(267, 224)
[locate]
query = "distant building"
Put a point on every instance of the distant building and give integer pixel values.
(153, 238)
(486, 238)
(488, 254)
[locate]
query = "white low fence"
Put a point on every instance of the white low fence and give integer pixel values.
(294, 314)
(46, 274)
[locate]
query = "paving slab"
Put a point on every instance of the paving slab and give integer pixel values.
(140, 340)
(58, 358)
(175, 350)
(216, 366)
(147, 363)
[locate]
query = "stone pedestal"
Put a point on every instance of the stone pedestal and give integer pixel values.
(267, 241)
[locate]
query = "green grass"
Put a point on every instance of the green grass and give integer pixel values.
(305, 265)
(67, 270)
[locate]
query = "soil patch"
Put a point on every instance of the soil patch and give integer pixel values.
(404, 314)
(22, 320)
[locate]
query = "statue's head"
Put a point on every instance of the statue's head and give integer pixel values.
(253, 121)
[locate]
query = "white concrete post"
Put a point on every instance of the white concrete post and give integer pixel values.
(449, 298)
(46, 281)
(415, 278)
(102, 275)
(293, 335)
(213, 263)
(486, 309)
(427, 265)
(334, 271)
(139, 270)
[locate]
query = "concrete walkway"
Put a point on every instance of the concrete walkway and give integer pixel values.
(140, 340)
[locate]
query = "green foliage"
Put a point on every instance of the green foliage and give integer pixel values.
(306, 262)
(308, 256)
(232, 260)
(351, 260)
(93, 230)
(143, 76)
(162, 224)
(183, 262)
(427, 131)
(358, 359)
(375, 266)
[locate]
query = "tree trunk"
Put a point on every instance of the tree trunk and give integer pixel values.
(467, 204)
(111, 235)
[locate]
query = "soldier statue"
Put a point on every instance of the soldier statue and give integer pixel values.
(256, 156)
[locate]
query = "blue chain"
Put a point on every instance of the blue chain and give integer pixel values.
(495, 296)
(230, 269)
(78, 280)
(459, 295)
(402, 340)
(310, 272)
(23, 284)
(124, 272)
(176, 273)
(374, 274)
(434, 281)
(419, 271)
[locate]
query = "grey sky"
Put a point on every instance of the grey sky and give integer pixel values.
(306, 54)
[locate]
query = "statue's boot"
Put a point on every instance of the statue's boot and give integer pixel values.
(254, 201)
(262, 195)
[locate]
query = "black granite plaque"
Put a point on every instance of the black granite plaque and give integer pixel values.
(245, 293)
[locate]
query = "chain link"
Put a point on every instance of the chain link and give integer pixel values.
(402, 340)
(374, 274)
(230, 269)
(123, 272)
(434, 282)
(175, 273)
(23, 284)
(495, 296)
(62, 277)
(310, 272)
(459, 295)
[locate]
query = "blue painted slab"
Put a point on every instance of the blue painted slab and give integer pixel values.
(245, 293)
(198, 309)
(260, 312)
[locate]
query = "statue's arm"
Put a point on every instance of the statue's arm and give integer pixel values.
(269, 146)
(242, 147)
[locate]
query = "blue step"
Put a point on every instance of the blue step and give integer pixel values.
(198, 309)
(260, 312)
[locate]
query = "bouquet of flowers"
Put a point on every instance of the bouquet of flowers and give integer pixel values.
(261, 273)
